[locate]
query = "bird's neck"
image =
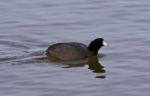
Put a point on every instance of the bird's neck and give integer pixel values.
(93, 52)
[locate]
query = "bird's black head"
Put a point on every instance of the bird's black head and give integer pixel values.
(96, 44)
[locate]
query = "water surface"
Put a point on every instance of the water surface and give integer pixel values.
(28, 27)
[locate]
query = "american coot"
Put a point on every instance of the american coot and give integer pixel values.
(74, 50)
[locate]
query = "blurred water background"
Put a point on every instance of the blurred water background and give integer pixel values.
(28, 27)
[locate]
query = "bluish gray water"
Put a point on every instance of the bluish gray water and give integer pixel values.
(28, 27)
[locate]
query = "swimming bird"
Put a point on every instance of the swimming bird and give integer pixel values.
(75, 50)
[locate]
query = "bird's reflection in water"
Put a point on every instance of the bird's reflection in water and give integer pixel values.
(92, 62)
(94, 65)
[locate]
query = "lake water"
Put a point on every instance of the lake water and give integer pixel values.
(28, 27)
